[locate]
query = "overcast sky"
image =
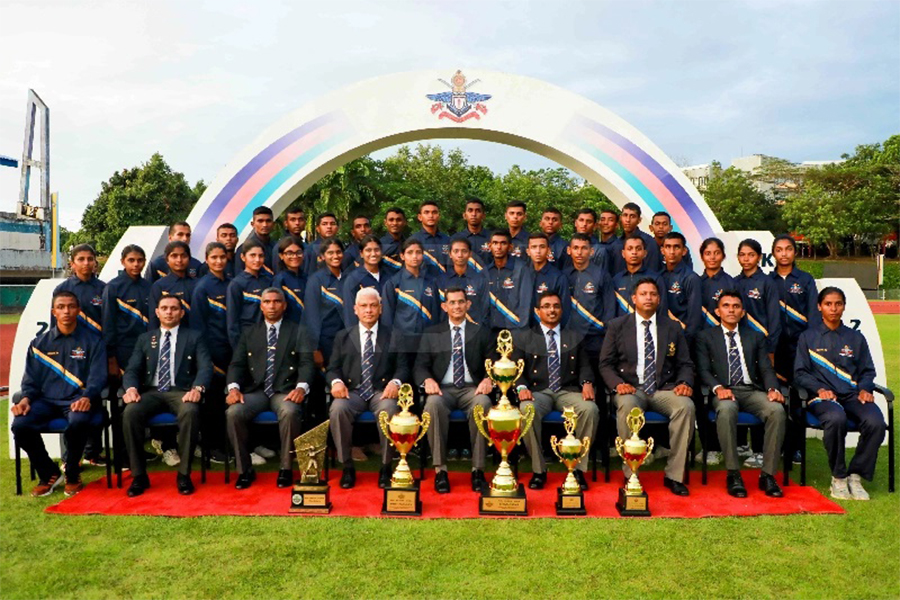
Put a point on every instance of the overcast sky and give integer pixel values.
(197, 81)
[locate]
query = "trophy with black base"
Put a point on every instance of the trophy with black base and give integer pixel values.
(310, 493)
(403, 430)
(570, 450)
(634, 451)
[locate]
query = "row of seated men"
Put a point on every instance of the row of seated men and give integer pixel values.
(644, 361)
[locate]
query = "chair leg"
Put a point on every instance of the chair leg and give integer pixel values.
(704, 448)
(891, 465)
(227, 462)
(18, 470)
(117, 443)
(204, 457)
(801, 432)
(593, 459)
(109, 455)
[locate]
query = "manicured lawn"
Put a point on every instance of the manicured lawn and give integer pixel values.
(856, 555)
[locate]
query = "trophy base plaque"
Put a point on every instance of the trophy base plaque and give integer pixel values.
(402, 501)
(632, 506)
(507, 506)
(569, 504)
(310, 498)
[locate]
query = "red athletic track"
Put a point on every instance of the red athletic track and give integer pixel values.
(885, 307)
(7, 336)
(264, 499)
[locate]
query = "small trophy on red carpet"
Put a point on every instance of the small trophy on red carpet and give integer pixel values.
(570, 450)
(310, 493)
(634, 451)
(404, 430)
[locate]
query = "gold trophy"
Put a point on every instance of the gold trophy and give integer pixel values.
(632, 498)
(310, 494)
(570, 450)
(404, 430)
(505, 426)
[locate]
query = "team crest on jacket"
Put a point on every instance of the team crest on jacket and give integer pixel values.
(97, 301)
(459, 104)
(486, 247)
(589, 288)
(754, 294)
(675, 288)
(192, 273)
(470, 290)
(427, 291)
(846, 351)
(671, 349)
(445, 249)
(542, 288)
(78, 353)
(516, 251)
(795, 288)
(508, 284)
(717, 294)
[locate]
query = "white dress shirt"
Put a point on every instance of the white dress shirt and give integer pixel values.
(639, 332)
(173, 340)
(740, 349)
(448, 376)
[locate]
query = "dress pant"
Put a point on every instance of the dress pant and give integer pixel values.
(153, 402)
(586, 411)
(872, 427)
(238, 418)
(755, 402)
(680, 412)
(439, 407)
(343, 413)
(26, 429)
(543, 404)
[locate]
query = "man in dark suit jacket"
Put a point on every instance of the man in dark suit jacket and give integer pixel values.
(169, 370)
(364, 374)
(645, 359)
(450, 366)
(270, 370)
(557, 375)
(732, 361)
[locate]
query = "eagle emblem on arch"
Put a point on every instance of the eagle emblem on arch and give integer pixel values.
(459, 104)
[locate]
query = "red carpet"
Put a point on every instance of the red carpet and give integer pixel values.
(264, 499)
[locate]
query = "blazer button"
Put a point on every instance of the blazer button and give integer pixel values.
(291, 368)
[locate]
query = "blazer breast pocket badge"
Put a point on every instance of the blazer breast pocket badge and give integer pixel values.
(671, 349)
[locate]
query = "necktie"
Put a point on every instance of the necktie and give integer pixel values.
(270, 361)
(459, 373)
(735, 372)
(553, 361)
(366, 390)
(649, 361)
(165, 364)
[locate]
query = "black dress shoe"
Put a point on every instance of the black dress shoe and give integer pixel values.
(768, 484)
(138, 486)
(348, 478)
(735, 484)
(384, 476)
(678, 488)
(579, 477)
(245, 480)
(537, 481)
(285, 478)
(478, 481)
(442, 482)
(185, 485)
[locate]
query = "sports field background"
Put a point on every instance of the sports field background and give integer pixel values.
(856, 555)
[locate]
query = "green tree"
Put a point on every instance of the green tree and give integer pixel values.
(737, 202)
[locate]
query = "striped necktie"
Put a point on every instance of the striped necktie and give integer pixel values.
(165, 364)
(366, 389)
(553, 361)
(270, 361)
(735, 372)
(459, 372)
(649, 384)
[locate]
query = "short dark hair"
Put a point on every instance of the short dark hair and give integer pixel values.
(428, 203)
(178, 224)
(409, 243)
(325, 215)
(586, 211)
(250, 244)
(213, 245)
(227, 226)
(64, 294)
(368, 239)
(174, 245)
(662, 213)
(547, 294)
(263, 210)
(357, 217)
(644, 280)
(611, 211)
(553, 210)
(328, 243)
(635, 236)
(397, 210)
(288, 241)
(502, 233)
(517, 204)
(133, 248)
(539, 235)
(675, 235)
(831, 290)
(581, 237)
(170, 297)
(295, 210)
(455, 290)
(752, 244)
(461, 240)
(82, 248)
(730, 294)
(782, 238)
(632, 206)
(475, 200)
(712, 240)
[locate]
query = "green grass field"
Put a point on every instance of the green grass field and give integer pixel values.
(856, 555)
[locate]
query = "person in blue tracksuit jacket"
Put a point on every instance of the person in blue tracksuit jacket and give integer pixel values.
(634, 253)
(714, 280)
(209, 307)
(244, 294)
(125, 309)
(516, 215)
(262, 222)
(159, 268)
(323, 314)
(326, 228)
(411, 301)
(683, 289)
(797, 296)
(479, 238)
(290, 278)
(591, 297)
(547, 278)
(373, 272)
(86, 286)
(435, 243)
(395, 225)
(661, 226)
(227, 235)
(465, 275)
(511, 285)
(585, 222)
(176, 283)
(630, 219)
(608, 224)
(835, 367)
(760, 295)
(551, 223)
(360, 228)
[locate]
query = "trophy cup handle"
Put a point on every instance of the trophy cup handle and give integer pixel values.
(553, 446)
(529, 419)
(649, 445)
(520, 367)
(425, 423)
(478, 415)
(620, 447)
(383, 423)
(585, 447)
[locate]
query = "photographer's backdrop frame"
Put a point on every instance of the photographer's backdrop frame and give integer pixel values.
(326, 133)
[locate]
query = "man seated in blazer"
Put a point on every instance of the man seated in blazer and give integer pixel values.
(364, 374)
(732, 360)
(645, 360)
(557, 375)
(271, 369)
(450, 366)
(169, 370)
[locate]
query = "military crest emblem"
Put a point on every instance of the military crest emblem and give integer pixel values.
(795, 288)
(754, 294)
(671, 351)
(459, 104)
(77, 353)
(846, 351)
